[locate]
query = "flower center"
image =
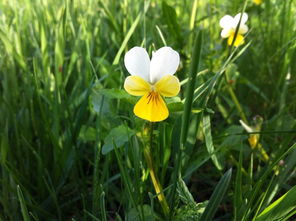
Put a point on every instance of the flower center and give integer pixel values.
(152, 88)
(152, 96)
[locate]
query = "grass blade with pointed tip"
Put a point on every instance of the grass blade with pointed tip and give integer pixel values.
(196, 52)
(209, 141)
(280, 208)
(126, 39)
(238, 186)
(24, 208)
(217, 197)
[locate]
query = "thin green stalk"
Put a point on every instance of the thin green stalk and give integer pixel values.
(144, 23)
(229, 88)
(243, 116)
(97, 189)
(236, 102)
(153, 175)
(193, 15)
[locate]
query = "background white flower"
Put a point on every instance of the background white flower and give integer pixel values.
(229, 25)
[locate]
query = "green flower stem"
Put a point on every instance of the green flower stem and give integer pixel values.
(263, 152)
(235, 100)
(237, 104)
(243, 116)
(153, 176)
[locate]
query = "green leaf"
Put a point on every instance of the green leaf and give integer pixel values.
(280, 208)
(190, 212)
(217, 197)
(209, 141)
(233, 140)
(232, 73)
(118, 136)
(98, 94)
(147, 212)
(117, 94)
(184, 193)
(87, 133)
(100, 104)
(175, 106)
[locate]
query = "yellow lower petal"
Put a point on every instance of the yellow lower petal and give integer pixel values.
(239, 40)
(253, 140)
(168, 86)
(136, 86)
(151, 107)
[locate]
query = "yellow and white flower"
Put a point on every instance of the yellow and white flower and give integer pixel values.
(257, 2)
(152, 80)
(229, 25)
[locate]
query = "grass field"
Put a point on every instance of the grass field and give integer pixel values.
(71, 147)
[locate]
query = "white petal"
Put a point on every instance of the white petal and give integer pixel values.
(137, 62)
(246, 127)
(164, 61)
(226, 32)
(244, 18)
(243, 29)
(226, 21)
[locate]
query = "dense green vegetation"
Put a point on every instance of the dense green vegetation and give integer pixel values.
(72, 149)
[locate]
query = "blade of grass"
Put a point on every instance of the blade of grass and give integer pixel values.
(209, 141)
(126, 39)
(196, 54)
(22, 201)
(280, 207)
(238, 187)
(217, 197)
(103, 209)
(127, 181)
(194, 67)
(262, 180)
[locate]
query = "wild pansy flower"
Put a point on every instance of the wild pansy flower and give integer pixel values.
(257, 2)
(229, 25)
(152, 80)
